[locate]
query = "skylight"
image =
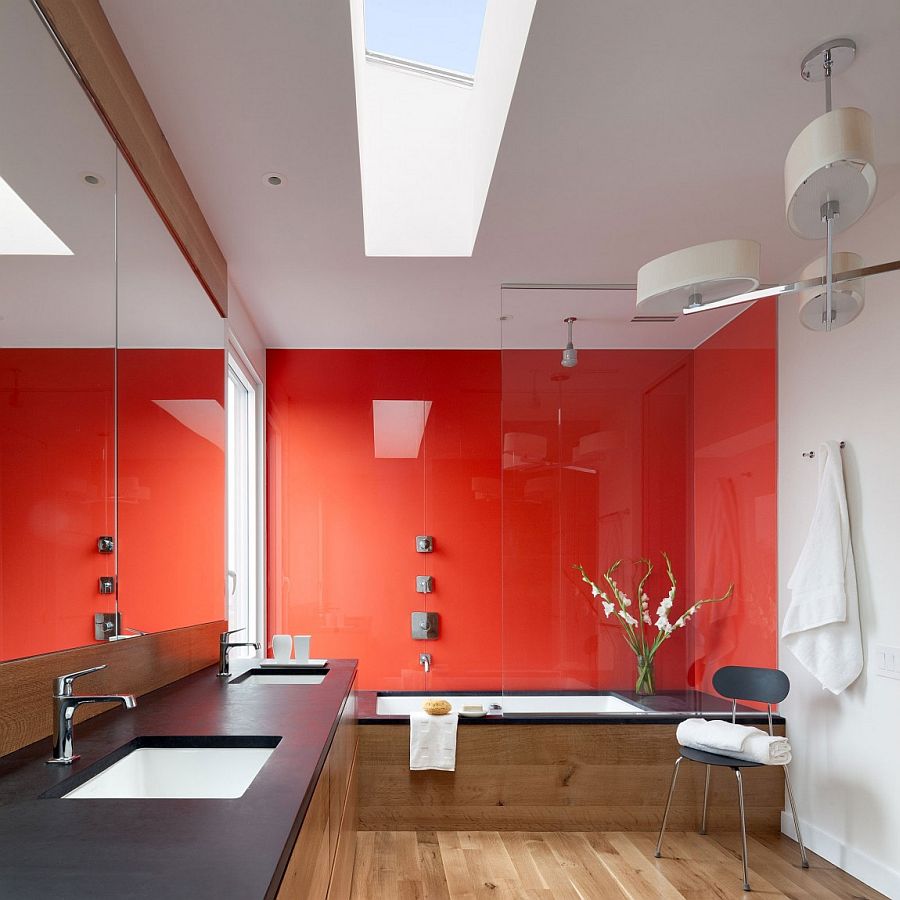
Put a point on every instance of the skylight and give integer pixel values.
(22, 232)
(443, 36)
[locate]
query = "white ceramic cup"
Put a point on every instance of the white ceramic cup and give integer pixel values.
(301, 647)
(281, 647)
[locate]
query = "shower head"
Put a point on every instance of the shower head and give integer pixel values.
(570, 354)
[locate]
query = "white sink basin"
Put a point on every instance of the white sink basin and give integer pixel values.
(176, 772)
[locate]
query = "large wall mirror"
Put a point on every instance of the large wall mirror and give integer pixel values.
(112, 425)
(171, 428)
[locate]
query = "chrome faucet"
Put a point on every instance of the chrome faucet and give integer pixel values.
(225, 645)
(64, 706)
(425, 660)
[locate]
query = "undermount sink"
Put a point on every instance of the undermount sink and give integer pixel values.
(278, 675)
(160, 768)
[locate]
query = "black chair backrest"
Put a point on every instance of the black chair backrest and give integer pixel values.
(749, 683)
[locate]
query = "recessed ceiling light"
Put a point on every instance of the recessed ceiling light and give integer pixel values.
(274, 179)
(91, 179)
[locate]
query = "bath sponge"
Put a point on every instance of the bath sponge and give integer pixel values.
(436, 707)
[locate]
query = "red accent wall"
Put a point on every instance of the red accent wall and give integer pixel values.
(342, 524)
(614, 484)
(735, 483)
(56, 496)
(171, 545)
(616, 455)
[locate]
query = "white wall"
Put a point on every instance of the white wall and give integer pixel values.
(845, 386)
(245, 332)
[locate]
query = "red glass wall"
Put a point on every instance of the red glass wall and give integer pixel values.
(56, 486)
(519, 469)
(343, 521)
(735, 480)
(171, 427)
(596, 468)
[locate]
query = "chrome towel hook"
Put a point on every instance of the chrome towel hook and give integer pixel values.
(811, 454)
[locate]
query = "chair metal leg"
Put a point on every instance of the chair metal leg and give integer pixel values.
(804, 861)
(740, 782)
(662, 828)
(705, 799)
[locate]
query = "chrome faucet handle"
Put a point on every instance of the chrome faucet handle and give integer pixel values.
(223, 637)
(62, 686)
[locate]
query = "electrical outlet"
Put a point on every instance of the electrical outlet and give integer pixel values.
(887, 661)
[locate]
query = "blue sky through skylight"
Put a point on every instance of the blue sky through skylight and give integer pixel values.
(445, 34)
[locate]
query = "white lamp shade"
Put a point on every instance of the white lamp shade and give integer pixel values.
(831, 159)
(715, 271)
(847, 298)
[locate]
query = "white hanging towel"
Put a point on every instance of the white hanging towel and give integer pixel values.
(821, 627)
(432, 741)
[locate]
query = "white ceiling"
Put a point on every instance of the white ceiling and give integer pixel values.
(635, 129)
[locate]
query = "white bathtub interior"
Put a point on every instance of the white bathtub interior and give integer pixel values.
(535, 704)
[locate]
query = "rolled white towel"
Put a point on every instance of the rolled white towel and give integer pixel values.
(740, 741)
(714, 733)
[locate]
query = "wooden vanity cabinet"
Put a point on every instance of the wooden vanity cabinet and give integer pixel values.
(321, 863)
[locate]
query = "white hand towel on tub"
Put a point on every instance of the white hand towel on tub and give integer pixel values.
(740, 741)
(821, 626)
(432, 741)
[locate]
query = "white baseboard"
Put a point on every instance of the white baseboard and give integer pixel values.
(870, 871)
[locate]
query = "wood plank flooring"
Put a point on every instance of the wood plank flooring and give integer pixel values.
(510, 865)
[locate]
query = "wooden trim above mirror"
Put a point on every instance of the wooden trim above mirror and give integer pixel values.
(86, 38)
(136, 666)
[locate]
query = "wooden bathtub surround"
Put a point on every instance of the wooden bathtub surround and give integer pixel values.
(83, 30)
(321, 863)
(135, 666)
(583, 777)
(589, 866)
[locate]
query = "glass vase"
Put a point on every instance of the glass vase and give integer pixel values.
(645, 683)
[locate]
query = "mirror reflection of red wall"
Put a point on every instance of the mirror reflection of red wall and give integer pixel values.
(56, 495)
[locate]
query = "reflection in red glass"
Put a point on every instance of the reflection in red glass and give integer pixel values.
(56, 496)
(171, 426)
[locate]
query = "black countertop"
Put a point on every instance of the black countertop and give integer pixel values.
(135, 849)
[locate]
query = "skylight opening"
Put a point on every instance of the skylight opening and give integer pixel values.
(22, 231)
(440, 38)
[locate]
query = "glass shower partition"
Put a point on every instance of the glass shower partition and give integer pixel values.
(596, 468)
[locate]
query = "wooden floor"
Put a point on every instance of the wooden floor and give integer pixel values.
(404, 865)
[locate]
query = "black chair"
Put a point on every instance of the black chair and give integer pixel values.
(739, 683)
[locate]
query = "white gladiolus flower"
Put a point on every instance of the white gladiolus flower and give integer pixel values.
(595, 590)
(662, 623)
(630, 619)
(646, 617)
(626, 600)
(608, 608)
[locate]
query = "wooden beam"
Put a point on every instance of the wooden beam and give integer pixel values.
(88, 41)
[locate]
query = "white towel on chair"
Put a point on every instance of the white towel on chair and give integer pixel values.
(740, 741)
(821, 626)
(432, 741)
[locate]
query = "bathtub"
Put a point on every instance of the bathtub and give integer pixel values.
(514, 704)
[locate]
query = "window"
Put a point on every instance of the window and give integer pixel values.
(439, 36)
(246, 609)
